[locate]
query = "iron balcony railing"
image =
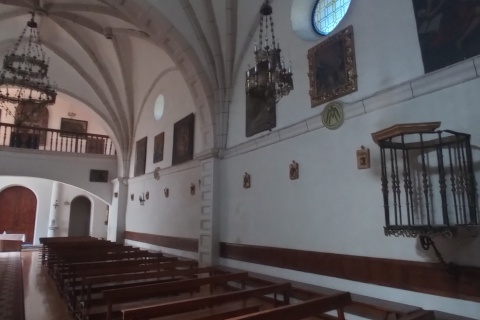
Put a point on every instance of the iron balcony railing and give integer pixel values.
(54, 140)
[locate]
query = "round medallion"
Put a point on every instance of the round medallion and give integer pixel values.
(156, 173)
(332, 116)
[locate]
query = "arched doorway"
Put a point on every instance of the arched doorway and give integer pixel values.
(79, 217)
(18, 208)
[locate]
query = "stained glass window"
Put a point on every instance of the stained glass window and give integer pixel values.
(327, 14)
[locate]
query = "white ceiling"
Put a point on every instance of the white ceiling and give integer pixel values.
(107, 53)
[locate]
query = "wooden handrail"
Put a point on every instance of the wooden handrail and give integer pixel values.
(47, 139)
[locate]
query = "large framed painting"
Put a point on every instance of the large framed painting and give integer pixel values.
(261, 114)
(332, 68)
(448, 31)
(158, 147)
(140, 157)
(74, 128)
(183, 133)
(33, 115)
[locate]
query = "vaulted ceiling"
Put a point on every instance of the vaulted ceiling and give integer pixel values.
(110, 53)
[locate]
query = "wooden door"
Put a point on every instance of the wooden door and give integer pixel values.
(18, 206)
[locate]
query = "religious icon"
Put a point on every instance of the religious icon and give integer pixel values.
(363, 158)
(246, 181)
(293, 170)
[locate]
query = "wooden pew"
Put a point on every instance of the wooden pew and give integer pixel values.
(420, 315)
(114, 297)
(68, 272)
(90, 285)
(303, 310)
(95, 285)
(70, 291)
(45, 242)
(171, 308)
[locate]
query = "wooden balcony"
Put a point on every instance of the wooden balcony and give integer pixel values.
(54, 140)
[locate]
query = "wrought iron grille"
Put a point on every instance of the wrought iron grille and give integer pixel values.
(428, 181)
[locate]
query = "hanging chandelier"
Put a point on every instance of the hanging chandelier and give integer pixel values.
(24, 77)
(269, 77)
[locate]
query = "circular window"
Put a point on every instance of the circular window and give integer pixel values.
(159, 107)
(327, 14)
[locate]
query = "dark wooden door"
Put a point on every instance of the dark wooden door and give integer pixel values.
(18, 206)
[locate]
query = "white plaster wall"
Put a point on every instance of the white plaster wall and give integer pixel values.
(42, 188)
(178, 104)
(69, 168)
(98, 211)
(334, 207)
(385, 56)
(177, 215)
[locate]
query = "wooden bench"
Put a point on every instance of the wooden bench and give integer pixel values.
(300, 310)
(72, 287)
(146, 292)
(90, 294)
(172, 308)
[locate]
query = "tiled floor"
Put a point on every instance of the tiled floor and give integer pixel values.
(42, 299)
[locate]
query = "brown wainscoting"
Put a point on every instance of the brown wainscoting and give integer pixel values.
(431, 278)
(185, 244)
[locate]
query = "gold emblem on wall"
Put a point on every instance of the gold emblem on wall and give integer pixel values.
(332, 116)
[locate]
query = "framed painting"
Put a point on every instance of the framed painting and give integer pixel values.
(448, 31)
(72, 128)
(98, 175)
(183, 133)
(261, 114)
(140, 157)
(332, 68)
(33, 115)
(158, 147)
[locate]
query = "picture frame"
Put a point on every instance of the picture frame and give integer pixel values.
(158, 143)
(75, 128)
(261, 114)
(332, 68)
(98, 175)
(447, 31)
(363, 158)
(183, 134)
(140, 157)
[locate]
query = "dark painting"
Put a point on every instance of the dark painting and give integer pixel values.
(158, 147)
(261, 113)
(332, 68)
(98, 175)
(31, 114)
(448, 31)
(73, 128)
(183, 133)
(140, 157)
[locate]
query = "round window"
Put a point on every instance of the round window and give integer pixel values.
(159, 107)
(327, 14)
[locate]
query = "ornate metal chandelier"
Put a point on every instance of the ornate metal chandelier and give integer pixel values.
(24, 77)
(269, 77)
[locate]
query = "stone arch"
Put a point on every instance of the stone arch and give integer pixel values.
(169, 39)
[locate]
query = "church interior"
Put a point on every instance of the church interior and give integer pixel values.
(274, 159)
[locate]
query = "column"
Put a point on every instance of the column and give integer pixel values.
(209, 237)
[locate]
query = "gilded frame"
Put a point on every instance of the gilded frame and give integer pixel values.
(332, 68)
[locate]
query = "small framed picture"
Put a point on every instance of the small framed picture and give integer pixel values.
(363, 158)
